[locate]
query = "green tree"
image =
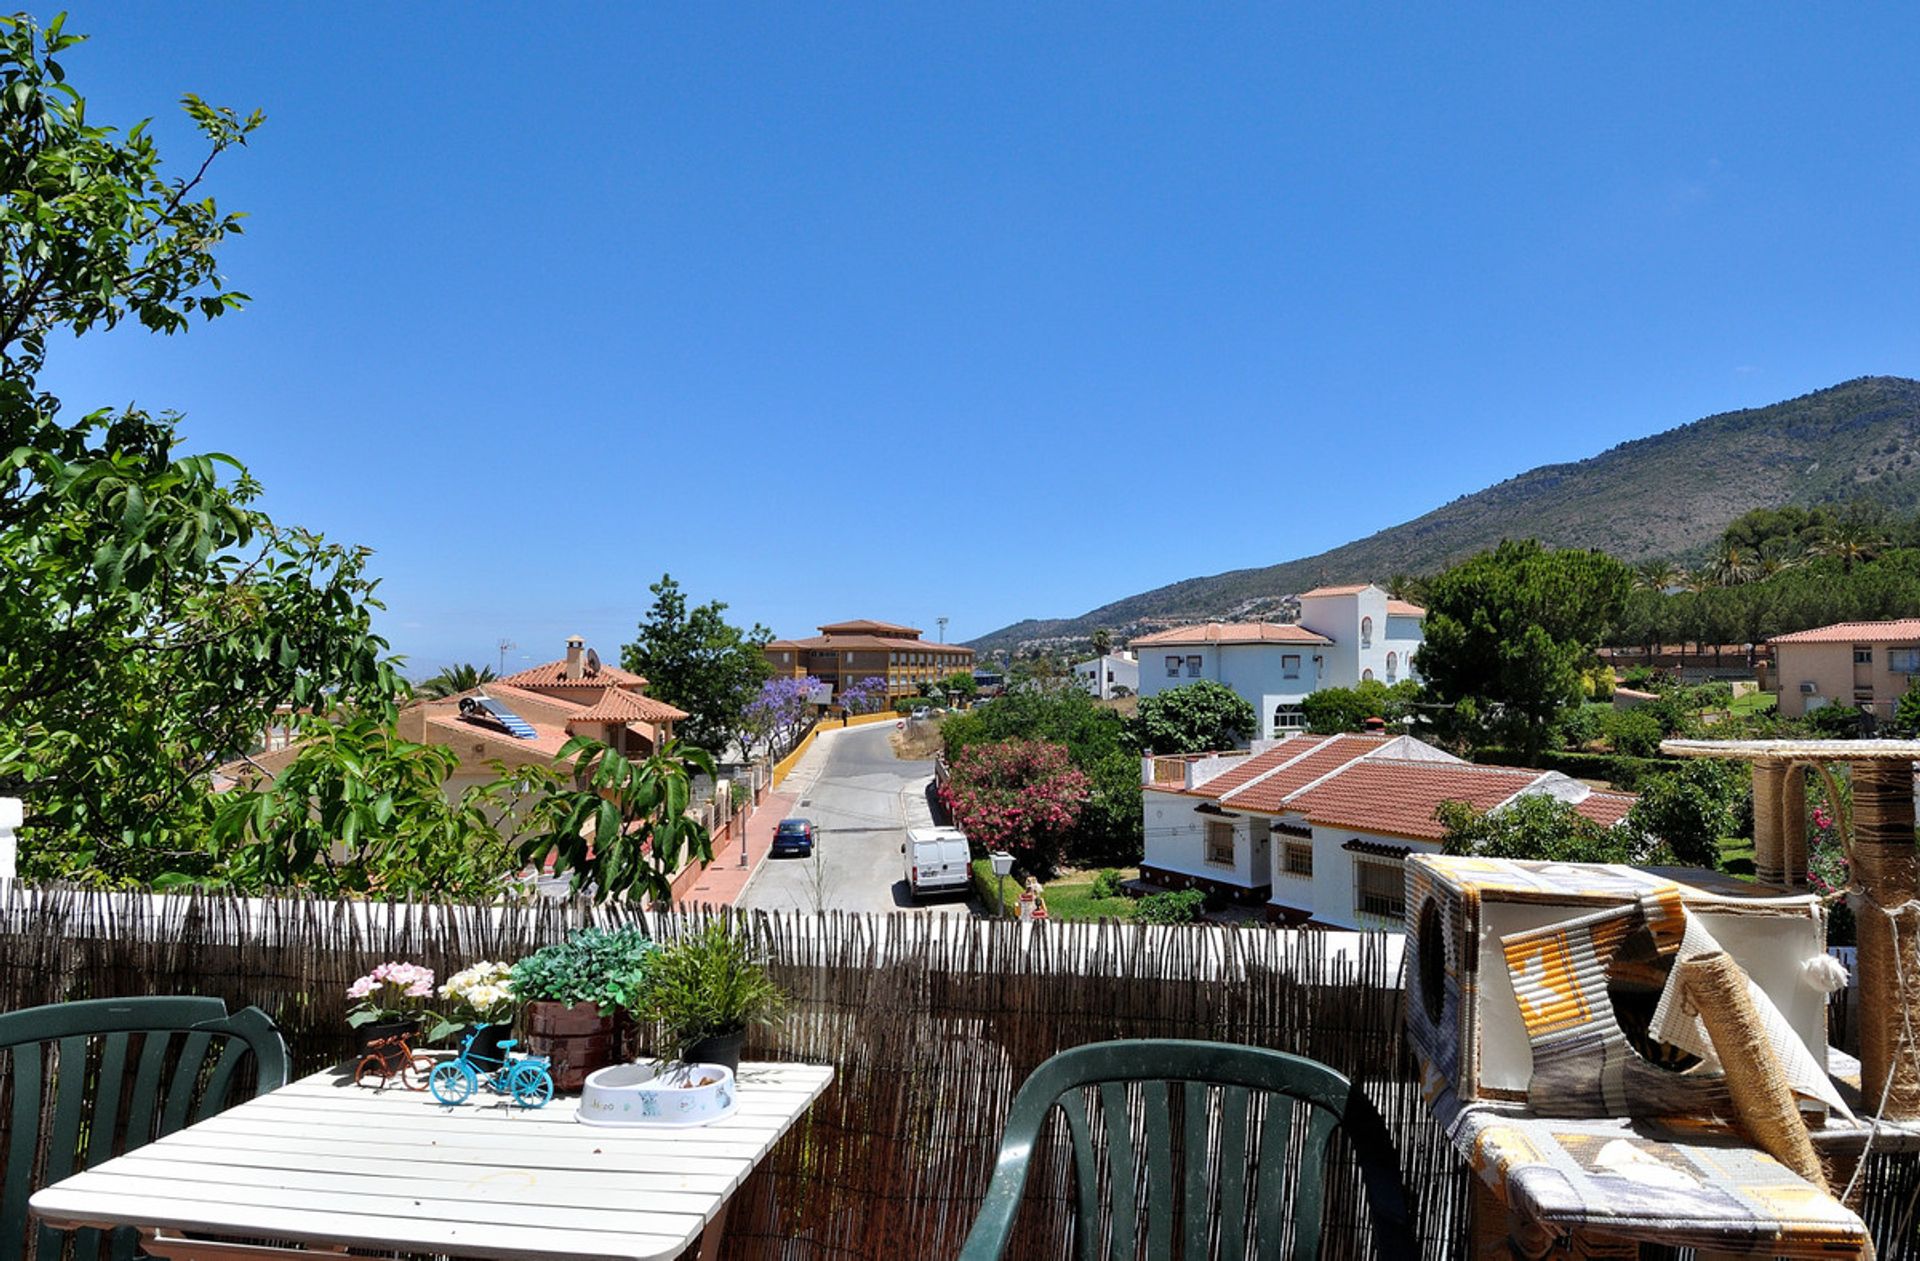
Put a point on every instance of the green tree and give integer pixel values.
(456, 679)
(152, 618)
(623, 829)
(1689, 810)
(959, 685)
(694, 659)
(1906, 712)
(1198, 718)
(1331, 710)
(360, 810)
(1514, 628)
(1536, 826)
(1102, 642)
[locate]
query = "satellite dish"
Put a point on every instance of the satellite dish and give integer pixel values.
(593, 661)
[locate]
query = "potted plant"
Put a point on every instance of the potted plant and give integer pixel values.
(704, 992)
(388, 1001)
(482, 1003)
(576, 994)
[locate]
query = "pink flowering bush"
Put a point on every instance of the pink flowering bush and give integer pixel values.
(1828, 874)
(391, 991)
(1023, 796)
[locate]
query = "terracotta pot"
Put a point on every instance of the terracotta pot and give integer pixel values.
(721, 1048)
(577, 1039)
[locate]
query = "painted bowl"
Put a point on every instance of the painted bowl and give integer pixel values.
(655, 1095)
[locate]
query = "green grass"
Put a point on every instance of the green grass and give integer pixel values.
(1736, 856)
(1753, 703)
(1068, 898)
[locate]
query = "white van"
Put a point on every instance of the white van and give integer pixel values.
(937, 861)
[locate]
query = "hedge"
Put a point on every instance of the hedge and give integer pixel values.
(1618, 769)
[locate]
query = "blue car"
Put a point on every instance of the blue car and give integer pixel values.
(793, 836)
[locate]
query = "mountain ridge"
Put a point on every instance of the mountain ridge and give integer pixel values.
(1666, 495)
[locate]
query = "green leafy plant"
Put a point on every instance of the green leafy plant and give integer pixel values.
(1106, 884)
(593, 965)
(709, 984)
(1170, 908)
(624, 827)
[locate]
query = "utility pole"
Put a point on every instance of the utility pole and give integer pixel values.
(506, 646)
(942, 623)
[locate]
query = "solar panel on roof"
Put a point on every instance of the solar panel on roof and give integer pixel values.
(486, 707)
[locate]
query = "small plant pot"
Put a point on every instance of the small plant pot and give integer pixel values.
(577, 1040)
(487, 1039)
(366, 1035)
(721, 1048)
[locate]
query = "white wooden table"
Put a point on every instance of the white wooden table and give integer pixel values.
(325, 1163)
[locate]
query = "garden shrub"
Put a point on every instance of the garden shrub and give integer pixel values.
(1106, 884)
(1170, 908)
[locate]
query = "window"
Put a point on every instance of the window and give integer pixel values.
(1219, 843)
(1392, 667)
(1367, 674)
(1290, 666)
(1366, 632)
(1173, 667)
(1903, 660)
(1193, 667)
(1380, 887)
(1289, 718)
(1862, 656)
(1296, 859)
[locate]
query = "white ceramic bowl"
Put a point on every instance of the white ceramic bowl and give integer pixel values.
(643, 1095)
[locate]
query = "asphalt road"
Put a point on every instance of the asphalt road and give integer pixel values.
(859, 810)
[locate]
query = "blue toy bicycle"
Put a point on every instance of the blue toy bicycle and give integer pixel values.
(523, 1078)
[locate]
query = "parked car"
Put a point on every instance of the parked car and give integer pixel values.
(921, 711)
(937, 861)
(793, 836)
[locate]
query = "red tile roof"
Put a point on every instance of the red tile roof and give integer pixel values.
(1606, 808)
(866, 626)
(1902, 630)
(1351, 589)
(1259, 764)
(1231, 633)
(1402, 608)
(1272, 792)
(547, 741)
(1398, 798)
(881, 642)
(618, 705)
(554, 674)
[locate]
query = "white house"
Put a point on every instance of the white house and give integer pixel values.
(1104, 675)
(1344, 635)
(1317, 828)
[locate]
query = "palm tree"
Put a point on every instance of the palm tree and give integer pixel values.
(1732, 565)
(1849, 542)
(456, 679)
(1656, 575)
(1102, 641)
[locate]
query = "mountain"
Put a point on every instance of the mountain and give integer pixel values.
(1669, 495)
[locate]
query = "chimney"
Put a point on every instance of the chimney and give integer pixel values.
(575, 668)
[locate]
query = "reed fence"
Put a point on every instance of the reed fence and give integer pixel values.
(931, 1023)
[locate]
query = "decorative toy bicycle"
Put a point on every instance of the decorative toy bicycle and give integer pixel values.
(522, 1078)
(390, 1058)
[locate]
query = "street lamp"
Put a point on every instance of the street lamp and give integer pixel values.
(1002, 864)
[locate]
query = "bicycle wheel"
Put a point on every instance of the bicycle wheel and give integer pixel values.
(452, 1083)
(371, 1071)
(532, 1086)
(418, 1070)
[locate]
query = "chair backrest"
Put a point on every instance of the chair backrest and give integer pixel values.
(123, 1072)
(1237, 1105)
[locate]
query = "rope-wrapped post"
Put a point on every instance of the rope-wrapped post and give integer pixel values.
(1887, 875)
(1762, 1101)
(1769, 846)
(1793, 826)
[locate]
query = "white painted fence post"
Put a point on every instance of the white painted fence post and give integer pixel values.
(11, 813)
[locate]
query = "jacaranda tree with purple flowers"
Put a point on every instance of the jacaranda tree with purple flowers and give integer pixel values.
(775, 718)
(868, 696)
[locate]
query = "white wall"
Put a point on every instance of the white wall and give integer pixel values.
(1339, 618)
(1176, 840)
(1257, 672)
(1329, 895)
(1102, 675)
(11, 813)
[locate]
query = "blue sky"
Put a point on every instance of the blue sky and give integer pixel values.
(550, 300)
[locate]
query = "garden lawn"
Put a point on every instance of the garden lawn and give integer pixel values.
(1070, 897)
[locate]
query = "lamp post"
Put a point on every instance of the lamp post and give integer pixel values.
(1002, 864)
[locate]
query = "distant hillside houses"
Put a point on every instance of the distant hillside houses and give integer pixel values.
(1344, 635)
(1316, 829)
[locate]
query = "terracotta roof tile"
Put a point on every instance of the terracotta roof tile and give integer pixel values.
(1606, 808)
(1403, 608)
(873, 641)
(621, 706)
(1272, 792)
(1350, 589)
(1398, 798)
(1231, 633)
(554, 674)
(1855, 633)
(1259, 764)
(547, 741)
(866, 626)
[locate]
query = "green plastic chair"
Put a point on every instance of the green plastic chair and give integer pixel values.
(189, 1054)
(1240, 1072)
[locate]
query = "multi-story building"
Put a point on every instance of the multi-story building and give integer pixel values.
(1345, 635)
(1110, 674)
(1863, 665)
(845, 653)
(1317, 828)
